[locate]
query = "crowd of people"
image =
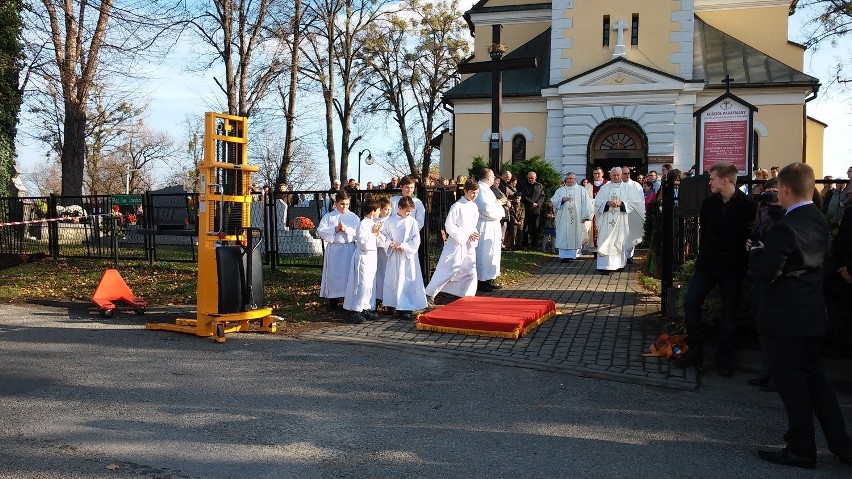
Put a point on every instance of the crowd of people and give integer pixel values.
(777, 233)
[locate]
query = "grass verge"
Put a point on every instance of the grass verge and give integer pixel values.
(292, 292)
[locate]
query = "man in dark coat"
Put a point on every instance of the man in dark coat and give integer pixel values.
(793, 320)
(726, 220)
(532, 196)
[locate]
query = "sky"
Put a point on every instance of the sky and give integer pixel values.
(176, 94)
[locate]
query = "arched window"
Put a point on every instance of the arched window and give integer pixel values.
(519, 148)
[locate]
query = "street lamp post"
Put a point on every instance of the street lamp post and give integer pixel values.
(368, 161)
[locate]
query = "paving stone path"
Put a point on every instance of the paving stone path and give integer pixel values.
(605, 325)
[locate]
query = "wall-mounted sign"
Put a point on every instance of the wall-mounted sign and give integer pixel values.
(724, 134)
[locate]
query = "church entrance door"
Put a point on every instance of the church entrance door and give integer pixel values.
(618, 142)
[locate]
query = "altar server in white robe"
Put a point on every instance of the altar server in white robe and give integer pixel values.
(381, 255)
(612, 211)
(406, 187)
(491, 211)
(361, 292)
(636, 217)
(573, 212)
(338, 228)
(403, 287)
(456, 270)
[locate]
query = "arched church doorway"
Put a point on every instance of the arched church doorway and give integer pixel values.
(618, 142)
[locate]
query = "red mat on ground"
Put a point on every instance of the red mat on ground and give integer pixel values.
(486, 316)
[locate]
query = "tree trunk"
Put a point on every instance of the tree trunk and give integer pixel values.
(73, 149)
(290, 101)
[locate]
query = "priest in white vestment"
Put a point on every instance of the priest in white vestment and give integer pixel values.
(612, 219)
(490, 234)
(636, 217)
(456, 270)
(573, 212)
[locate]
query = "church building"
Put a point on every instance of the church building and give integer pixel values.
(618, 82)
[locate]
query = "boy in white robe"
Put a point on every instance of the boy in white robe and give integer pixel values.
(490, 234)
(361, 293)
(338, 229)
(403, 288)
(381, 255)
(573, 212)
(612, 213)
(456, 270)
(406, 187)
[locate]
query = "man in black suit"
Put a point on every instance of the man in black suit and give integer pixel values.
(532, 196)
(726, 219)
(793, 320)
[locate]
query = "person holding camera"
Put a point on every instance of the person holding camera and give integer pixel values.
(768, 212)
(792, 321)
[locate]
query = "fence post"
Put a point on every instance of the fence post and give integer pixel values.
(53, 228)
(667, 189)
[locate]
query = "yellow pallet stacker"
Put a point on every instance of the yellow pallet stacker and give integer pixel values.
(230, 271)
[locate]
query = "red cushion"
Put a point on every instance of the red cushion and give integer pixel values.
(478, 313)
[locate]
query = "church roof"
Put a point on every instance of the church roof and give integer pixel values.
(522, 82)
(716, 54)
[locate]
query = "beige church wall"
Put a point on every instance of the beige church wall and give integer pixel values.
(469, 131)
(446, 158)
(769, 35)
(784, 128)
(655, 27)
(814, 150)
(513, 36)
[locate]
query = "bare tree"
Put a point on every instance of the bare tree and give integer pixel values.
(241, 33)
(413, 60)
(334, 40)
(142, 148)
(291, 33)
(70, 41)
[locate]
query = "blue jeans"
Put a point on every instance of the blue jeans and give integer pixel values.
(699, 288)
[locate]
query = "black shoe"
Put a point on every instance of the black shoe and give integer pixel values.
(620, 270)
(786, 458)
(356, 318)
(759, 380)
(370, 315)
(629, 260)
(332, 304)
(725, 370)
(484, 287)
(689, 360)
(603, 272)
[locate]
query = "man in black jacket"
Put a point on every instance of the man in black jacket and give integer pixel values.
(792, 319)
(532, 196)
(726, 219)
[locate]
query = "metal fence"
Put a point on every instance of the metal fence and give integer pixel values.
(164, 227)
(159, 228)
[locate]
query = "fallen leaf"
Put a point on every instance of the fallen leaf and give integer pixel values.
(112, 467)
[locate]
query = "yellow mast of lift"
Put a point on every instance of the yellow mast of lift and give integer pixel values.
(225, 296)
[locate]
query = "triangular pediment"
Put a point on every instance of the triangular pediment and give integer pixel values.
(620, 75)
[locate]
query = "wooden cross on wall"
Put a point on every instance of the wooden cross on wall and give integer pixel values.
(496, 66)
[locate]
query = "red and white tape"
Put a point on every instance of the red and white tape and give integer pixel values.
(47, 220)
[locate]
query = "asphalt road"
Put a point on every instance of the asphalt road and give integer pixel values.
(82, 397)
